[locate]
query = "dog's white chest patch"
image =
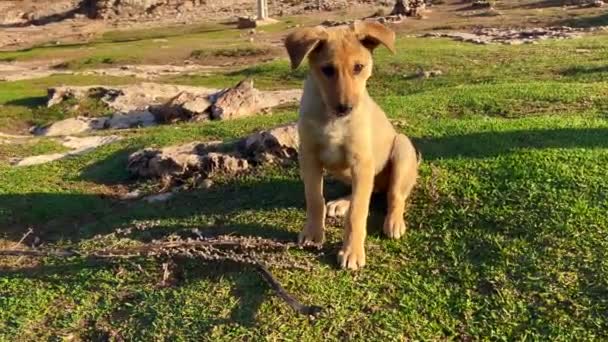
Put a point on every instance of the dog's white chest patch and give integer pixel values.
(333, 144)
(333, 156)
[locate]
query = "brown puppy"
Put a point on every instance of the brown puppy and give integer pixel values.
(345, 132)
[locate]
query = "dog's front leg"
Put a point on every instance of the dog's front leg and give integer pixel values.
(352, 255)
(311, 172)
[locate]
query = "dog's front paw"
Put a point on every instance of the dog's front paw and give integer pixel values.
(311, 236)
(351, 257)
(394, 226)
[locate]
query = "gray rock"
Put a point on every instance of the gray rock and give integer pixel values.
(205, 160)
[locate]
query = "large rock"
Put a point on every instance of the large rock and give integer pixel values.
(222, 163)
(125, 98)
(184, 106)
(281, 143)
(244, 100)
(236, 102)
(208, 159)
(148, 104)
(277, 98)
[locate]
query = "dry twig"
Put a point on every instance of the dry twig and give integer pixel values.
(241, 250)
(28, 233)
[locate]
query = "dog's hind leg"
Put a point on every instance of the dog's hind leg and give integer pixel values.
(339, 207)
(403, 176)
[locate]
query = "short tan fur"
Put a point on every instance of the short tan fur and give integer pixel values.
(342, 130)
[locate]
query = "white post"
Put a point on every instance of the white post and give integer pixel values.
(262, 9)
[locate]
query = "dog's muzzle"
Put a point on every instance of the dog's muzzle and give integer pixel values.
(343, 110)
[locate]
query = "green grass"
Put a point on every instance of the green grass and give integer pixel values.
(240, 51)
(159, 33)
(165, 45)
(508, 226)
(23, 103)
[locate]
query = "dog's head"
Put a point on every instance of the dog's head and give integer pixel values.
(340, 59)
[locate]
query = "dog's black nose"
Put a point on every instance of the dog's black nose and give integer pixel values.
(343, 109)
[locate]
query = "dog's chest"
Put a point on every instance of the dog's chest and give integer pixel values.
(333, 142)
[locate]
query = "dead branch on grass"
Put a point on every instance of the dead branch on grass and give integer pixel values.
(254, 252)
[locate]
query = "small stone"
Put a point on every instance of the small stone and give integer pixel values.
(159, 197)
(477, 4)
(206, 183)
(135, 194)
(428, 73)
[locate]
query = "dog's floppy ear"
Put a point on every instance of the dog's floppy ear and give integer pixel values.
(302, 41)
(372, 34)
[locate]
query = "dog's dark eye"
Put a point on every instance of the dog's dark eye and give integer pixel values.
(358, 68)
(328, 70)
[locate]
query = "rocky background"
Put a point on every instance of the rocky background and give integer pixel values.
(25, 12)
(39, 12)
(25, 23)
